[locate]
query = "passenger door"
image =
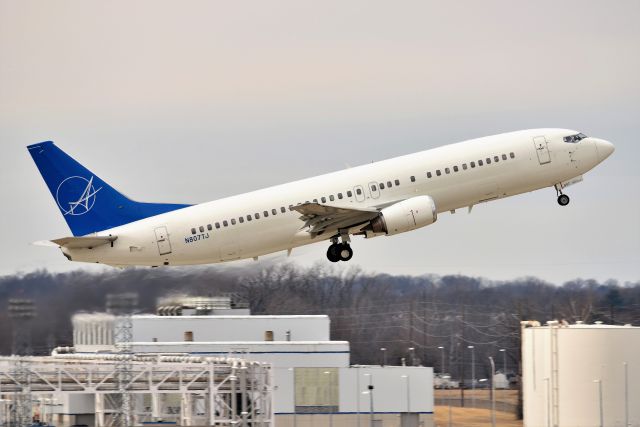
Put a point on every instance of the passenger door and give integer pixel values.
(162, 238)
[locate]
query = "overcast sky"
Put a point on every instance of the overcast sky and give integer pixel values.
(193, 101)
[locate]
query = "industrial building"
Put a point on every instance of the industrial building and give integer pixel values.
(86, 389)
(313, 382)
(580, 374)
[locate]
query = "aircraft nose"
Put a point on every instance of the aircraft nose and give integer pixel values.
(604, 148)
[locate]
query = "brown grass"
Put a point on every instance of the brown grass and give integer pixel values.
(469, 417)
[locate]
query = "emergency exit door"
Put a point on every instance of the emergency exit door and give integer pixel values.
(162, 238)
(542, 150)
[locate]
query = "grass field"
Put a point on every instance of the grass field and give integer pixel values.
(472, 417)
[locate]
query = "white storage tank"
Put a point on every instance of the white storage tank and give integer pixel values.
(580, 375)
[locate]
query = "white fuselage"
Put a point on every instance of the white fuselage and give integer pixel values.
(169, 239)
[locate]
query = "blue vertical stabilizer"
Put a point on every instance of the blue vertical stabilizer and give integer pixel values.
(87, 203)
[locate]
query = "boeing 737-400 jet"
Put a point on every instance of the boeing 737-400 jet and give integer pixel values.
(378, 199)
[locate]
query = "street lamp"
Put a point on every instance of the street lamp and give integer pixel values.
(473, 368)
(504, 361)
(370, 392)
(493, 392)
(330, 397)
(442, 351)
(412, 355)
(406, 377)
(384, 355)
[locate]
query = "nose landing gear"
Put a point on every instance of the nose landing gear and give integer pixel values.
(563, 199)
(340, 251)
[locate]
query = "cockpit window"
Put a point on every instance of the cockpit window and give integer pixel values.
(575, 138)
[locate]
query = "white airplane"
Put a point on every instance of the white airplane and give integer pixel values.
(378, 199)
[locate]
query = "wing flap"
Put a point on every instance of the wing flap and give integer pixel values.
(84, 242)
(319, 218)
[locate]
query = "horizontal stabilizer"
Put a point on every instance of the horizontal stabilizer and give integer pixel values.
(84, 242)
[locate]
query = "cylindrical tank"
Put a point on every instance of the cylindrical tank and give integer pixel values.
(580, 375)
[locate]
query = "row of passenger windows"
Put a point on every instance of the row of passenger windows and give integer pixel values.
(233, 221)
(349, 193)
(472, 164)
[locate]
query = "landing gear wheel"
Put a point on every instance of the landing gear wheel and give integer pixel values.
(333, 253)
(563, 200)
(345, 252)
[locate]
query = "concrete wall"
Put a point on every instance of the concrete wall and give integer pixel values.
(389, 394)
(146, 328)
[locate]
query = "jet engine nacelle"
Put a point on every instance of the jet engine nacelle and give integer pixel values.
(405, 216)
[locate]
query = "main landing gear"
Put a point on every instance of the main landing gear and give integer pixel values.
(563, 199)
(340, 251)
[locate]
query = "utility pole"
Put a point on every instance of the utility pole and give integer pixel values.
(461, 348)
(410, 324)
(123, 306)
(21, 313)
(424, 328)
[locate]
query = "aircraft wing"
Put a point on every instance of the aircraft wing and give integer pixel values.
(84, 242)
(320, 218)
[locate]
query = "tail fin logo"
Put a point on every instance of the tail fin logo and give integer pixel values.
(76, 195)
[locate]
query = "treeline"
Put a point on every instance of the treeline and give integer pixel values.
(440, 318)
